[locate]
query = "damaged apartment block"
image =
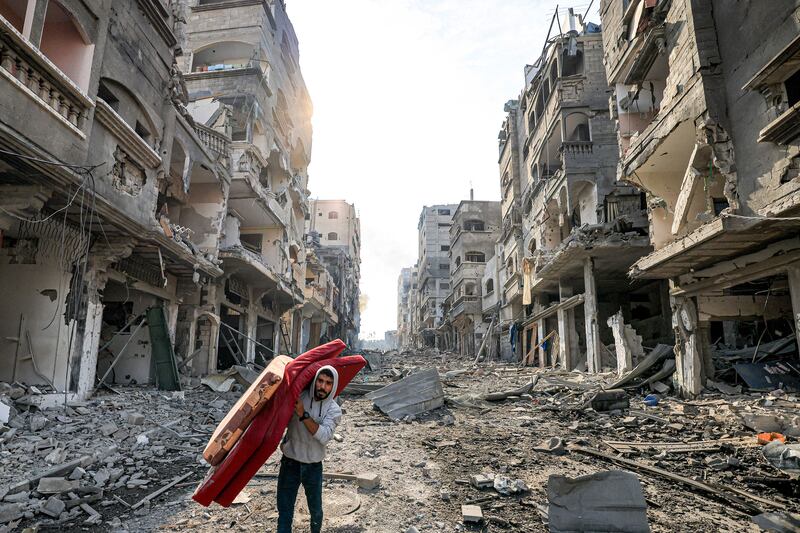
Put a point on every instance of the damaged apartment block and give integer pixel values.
(708, 126)
(581, 229)
(154, 207)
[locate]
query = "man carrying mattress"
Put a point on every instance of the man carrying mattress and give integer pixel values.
(315, 419)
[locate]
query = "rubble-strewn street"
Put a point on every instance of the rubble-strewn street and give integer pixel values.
(108, 456)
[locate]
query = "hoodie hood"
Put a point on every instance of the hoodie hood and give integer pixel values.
(334, 390)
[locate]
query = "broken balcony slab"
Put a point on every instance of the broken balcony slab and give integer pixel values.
(721, 239)
(413, 395)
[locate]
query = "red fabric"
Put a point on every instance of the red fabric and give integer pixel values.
(224, 482)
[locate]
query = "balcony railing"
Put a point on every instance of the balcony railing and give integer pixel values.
(29, 69)
(576, 148)
(218, 143)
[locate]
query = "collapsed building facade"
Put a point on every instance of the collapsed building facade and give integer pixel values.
(153, 163)
(582, 231)
(245, 88)
(708, 125)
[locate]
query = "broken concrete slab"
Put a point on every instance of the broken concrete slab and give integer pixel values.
(785, 457)
(778, 522)
(471, 513)
(415, 394)
(38, 422)
(609, 501)
(108, 429)
(56, 485)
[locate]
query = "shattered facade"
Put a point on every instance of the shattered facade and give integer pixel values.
(155, 157)
(582, 229)
(112, 200)
(707, 120)
(404, 309)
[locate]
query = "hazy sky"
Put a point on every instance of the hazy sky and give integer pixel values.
(408, 101)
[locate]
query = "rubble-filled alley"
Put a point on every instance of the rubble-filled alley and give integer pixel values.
(499, 439)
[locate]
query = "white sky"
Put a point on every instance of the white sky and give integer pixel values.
(408, 101)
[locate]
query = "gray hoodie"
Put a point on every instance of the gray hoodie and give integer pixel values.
(299, 444)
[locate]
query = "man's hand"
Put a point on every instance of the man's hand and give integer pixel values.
(299, 408)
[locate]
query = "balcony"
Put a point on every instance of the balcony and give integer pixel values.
(218, 143)
(35, 76)
(250, 193)
(465, 305)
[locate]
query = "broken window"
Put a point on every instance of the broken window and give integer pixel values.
(444, 248)
(475, 257)
(473, 225)
(252, 241)
(489, 286)
(333, 236)
(107, 95)
(572, 65)
(444, 212)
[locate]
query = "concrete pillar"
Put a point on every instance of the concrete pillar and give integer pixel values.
(34, 21)
(172, 320)
(593, 348)
(793, 274)
(102, 255)
(729, 333)
(688, 356)
(540, 335)
(566, 326)
(704, 345)
(251, 324)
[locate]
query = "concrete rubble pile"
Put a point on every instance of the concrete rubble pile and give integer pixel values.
(103, 460)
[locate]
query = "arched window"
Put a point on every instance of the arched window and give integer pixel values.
(475, 257)
(333, 236)
(333, 215)
(473, 225)
(489, 286)
(65, 44)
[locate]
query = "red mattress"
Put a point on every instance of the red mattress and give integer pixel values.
(224, 482)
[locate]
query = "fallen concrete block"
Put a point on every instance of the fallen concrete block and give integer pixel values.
(5, 413)
(610, 400)
(38, 422)
(10, 512)
(368, 481)
(53, 507)
(108, 429)
(471, 513)
(56, 485)
(607, 501)
(481, 481)
(415, 394)
(136, 419)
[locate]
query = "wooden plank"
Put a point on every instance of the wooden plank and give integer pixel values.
(683, 447)
(160, 491)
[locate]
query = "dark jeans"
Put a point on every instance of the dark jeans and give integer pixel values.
(292, 474)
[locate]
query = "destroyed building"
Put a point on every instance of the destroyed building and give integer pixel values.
(707, 119)
(507, 274)
(582, 230)
(433, 270)
(111, 198)
(335, 235)
(154, 164)
(246, 89)
(473, 234)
